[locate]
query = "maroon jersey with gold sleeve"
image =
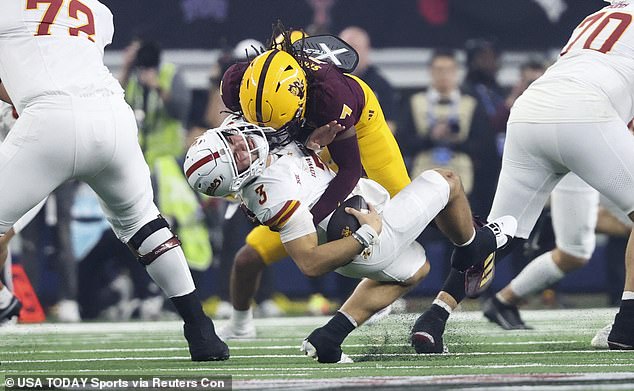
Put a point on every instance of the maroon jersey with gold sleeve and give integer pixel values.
(331, 94)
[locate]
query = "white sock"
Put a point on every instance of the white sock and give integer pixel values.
(5, 297)
(536, 276)
(240, 319)
(443, 305)
(170, 270)
(627, 295)
(171, 273)
(468, 242)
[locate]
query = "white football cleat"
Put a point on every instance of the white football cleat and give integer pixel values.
(66, 311)
(230, 331)
(309, 350)
(600, 340)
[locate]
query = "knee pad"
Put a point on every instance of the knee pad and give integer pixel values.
(152, 240)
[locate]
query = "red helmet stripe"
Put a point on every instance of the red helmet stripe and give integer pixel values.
(201, 162)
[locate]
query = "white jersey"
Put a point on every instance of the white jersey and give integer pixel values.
(55, 47)
(282, 196)
(593, 79)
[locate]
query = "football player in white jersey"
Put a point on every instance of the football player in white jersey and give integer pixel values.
(74, 123)
(574, 118)
(574, 209)
(10, 306)
(279, 189)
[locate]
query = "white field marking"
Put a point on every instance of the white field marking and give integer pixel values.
(591, 315)
(272, 347)
(525, 353)
(323, 368)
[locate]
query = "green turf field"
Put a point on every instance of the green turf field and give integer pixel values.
(557, 351)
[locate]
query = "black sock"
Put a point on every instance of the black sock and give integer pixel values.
(482, 245)
(627, 308)
(440, 312)
(339, 327)
(189, 307)
(454, 285)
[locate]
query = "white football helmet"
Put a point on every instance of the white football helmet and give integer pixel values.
(210, 164)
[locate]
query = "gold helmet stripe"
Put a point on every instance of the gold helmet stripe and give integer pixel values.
(260, 90)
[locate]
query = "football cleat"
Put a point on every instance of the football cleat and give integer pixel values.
(230, 331)
(504, 315)
(426, 336)
(13, 309)
(479, 277)
(621, 336)
(323, 348)
(204, 344)
(600, 339)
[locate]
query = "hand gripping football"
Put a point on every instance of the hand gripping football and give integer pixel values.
(342, 224)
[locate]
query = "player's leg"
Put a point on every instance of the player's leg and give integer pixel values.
(574, 207)
(263, 247)
(113, 165)
(370, 296)
(10, 306)
(523, 188)
(600, 154)
(456, 223)
(33, 162)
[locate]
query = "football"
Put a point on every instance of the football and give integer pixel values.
(342, 224)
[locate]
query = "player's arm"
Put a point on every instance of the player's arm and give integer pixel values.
(3, 94)
(315, 260)
(344, 151)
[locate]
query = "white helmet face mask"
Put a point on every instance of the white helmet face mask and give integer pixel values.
(210, 165)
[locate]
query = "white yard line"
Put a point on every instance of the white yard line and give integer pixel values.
(163, 358)
(276, 347)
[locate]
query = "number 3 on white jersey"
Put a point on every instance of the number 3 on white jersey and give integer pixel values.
(599, 31)
(76, 12)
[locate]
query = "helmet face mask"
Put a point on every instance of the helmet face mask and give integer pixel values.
(273, 90)
(211, 166)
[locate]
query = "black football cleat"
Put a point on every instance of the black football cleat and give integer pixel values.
(479, 277)
(504, 315)
(621, 336)
(323, 348)
(426, 336)
(204, 344)
(13, 309)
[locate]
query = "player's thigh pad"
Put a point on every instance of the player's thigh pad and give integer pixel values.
(36, 157)
(528, 175)
(574, 209)
(411, 210)
(267, 244)
(398, 268)
(601, 154)
(110, 160)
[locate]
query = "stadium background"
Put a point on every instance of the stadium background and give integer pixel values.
(193, 34)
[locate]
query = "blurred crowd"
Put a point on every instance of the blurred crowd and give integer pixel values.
(80, 270)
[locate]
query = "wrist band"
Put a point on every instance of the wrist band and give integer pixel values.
(367, 235)
(360, 240)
